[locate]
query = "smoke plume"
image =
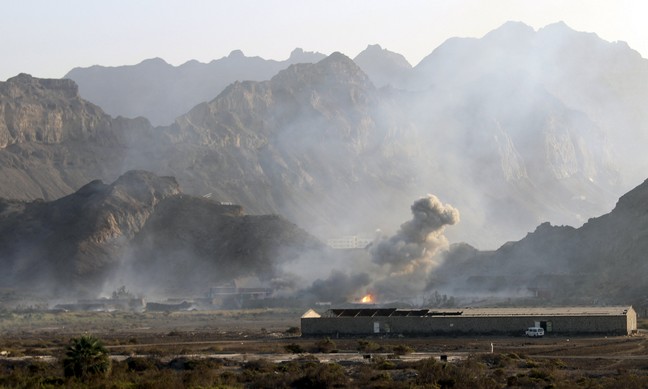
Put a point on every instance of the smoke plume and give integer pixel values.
(418, 240)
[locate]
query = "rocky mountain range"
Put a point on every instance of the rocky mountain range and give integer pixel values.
(513, 129)
(161, 92)
(506, 125)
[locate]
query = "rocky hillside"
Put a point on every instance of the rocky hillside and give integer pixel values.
(310, 143)
(141, 231)
(601, 262)
(604, 81)
(52, 141)
(161, 92)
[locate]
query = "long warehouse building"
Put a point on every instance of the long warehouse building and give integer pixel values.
(466, 321)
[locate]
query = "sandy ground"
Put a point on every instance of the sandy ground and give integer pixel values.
(250, 334)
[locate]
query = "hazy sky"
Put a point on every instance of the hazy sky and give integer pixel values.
(47, 38)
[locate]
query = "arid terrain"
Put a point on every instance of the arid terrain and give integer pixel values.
(267, 341)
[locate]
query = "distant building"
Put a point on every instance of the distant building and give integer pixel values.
(231, 294)
(470, 321)
(349, 242)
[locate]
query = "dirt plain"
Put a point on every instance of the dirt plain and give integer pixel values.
(246, 335)
(268, 330)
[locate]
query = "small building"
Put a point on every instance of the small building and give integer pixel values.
(349, 242)
(470, 321)
(230, 294)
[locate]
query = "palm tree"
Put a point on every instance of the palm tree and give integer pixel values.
(84, 357)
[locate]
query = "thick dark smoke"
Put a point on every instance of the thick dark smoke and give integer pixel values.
(338, 287)
(418, 240)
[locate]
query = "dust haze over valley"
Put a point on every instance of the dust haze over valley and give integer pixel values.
(519, 144)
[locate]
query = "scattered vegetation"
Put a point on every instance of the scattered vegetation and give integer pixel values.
(293, 331)
(86, 357)
(294, 348)
(477, 371)
(325, 346)
(173, 357)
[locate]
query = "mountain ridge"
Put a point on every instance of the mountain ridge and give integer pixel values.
(322, 145)
(134, 230)
(161, 92)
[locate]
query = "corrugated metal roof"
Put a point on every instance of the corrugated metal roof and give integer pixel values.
(548, 311)
(519, 311)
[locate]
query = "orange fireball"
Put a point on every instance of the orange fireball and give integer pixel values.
(367, 299)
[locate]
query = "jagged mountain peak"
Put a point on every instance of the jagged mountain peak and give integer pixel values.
(562, 28)
(24, 85)
(154, 62)
(336, 69)
(382, 57)
(298, 55)
(235, 54)
(383, 67)
(511, 27)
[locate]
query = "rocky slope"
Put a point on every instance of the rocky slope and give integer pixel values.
(52, 141)
(142, 231)
(601, 262)
(161, 92)
(309, 143)
(606, 81)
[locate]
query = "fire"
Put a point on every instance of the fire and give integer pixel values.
(367, 299)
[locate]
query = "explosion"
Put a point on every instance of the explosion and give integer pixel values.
(367, 299)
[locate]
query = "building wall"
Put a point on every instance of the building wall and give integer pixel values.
(447, 325)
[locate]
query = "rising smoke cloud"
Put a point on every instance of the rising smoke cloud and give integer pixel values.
(396, 267)
(419, 239)
(409, 255)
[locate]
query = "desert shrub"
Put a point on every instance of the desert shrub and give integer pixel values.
(383, 364)
(228, 379)
(367, 346)
(294, 348)
(446, 382)
(183, 363)
(498, 373)
(261, 365)
(325, 346)
(529, 364)
(512, 381)
(402, 349)
(325, 375)
(382, 378)
(540, 374)
(558, 364)
(200, 377)
(141, 364)
(85, 357)
(495, 360)
(293, 331)
(29, 374)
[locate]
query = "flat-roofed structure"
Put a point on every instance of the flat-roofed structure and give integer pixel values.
(618, 320)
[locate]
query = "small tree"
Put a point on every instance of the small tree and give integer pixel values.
(84, 357)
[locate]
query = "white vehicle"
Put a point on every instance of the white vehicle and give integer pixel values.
(534, 332)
